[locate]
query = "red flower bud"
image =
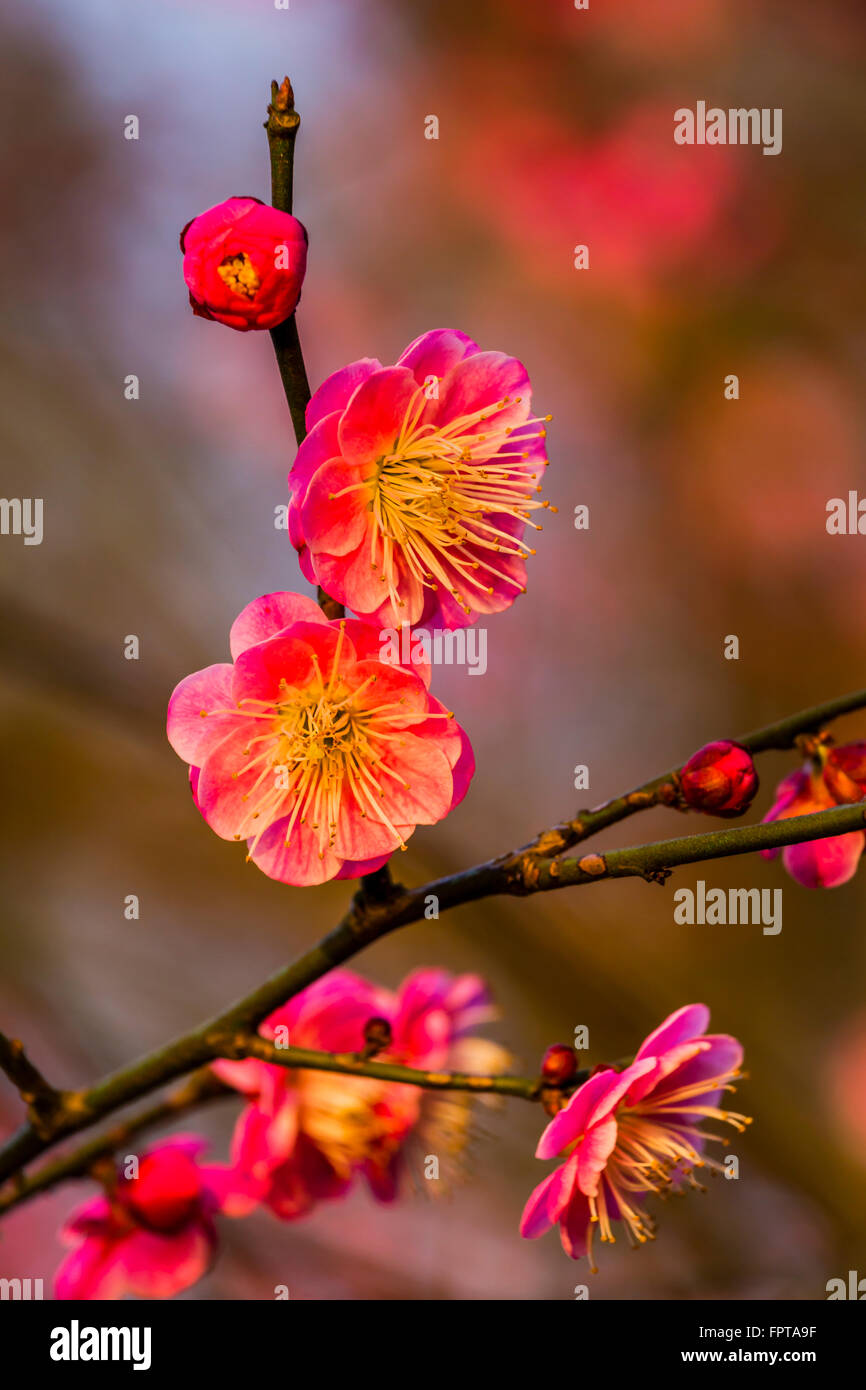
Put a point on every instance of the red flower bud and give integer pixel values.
(845, 772)
(719, 779)
(244, 263)
(377, 1036)
(559, 1064)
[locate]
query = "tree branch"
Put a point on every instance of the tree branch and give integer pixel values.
(662, 791)
(251, 1045)
(655, 862)
(370, 918)
(282, 129)
(43, 1102)
(200, 1089)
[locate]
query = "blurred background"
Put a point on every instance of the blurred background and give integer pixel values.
(707, 518)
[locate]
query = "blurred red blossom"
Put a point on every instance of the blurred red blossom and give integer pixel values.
(830, 779)
(153, 1234)
(306, 1135)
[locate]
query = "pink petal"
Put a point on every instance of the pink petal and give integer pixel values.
(668, 1062)
(321, 444)
(358, 868)
(351, 578)
(190, 734)
(225, 793)
(159, 1266)
(570, 1122)
(93, 1217)
(825, 863)
(335, 515)
(434, 353)
(592, 1154)
(93, 1271)
(392, 686)
(481, 381)
(546, 1202)
(245, 1077)
(685, 1024)
(574, 1226)
(337, 389)
(362, 833)
(372, 421)
(290, 658)
(268, 615)
(302, 863)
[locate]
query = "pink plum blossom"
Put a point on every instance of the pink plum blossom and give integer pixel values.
(412, 491)
(319, 753)
(244, 263)
(306, 1135)
(153, 1236)
(835, 777)
(631, 1134)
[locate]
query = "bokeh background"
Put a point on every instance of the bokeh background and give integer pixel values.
(707, 518)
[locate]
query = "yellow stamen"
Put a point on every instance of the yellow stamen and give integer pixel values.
(239, 275)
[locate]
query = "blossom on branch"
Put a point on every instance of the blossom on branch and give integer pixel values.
(319, 753)
(244, 263)
(153, 1234)
(413, 488)
(831, 778)
(306, 1135)
(628, 1135)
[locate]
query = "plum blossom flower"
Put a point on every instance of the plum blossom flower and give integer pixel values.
(412, 491)
(320, 754)
(832, 778)
(244, 263)
(305, 1136)
(154, 1235)
(633, 1134)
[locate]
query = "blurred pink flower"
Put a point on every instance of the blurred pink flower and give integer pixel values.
(846, 1084)
(153, 1236)
(244, 263)
(632, 1134)
(306, 1134)
(840, 778)
(320, 754)
(412, 490)
(649, 211)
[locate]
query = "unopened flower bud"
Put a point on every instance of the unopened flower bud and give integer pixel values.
(377, 1036)
(719, 779)
(559, 1064)
(244, 263)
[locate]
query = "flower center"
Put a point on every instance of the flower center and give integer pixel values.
(239, 275)
(441, 496)
(312, 746)
(655, 1150)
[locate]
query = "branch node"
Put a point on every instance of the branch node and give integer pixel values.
(594, 865)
